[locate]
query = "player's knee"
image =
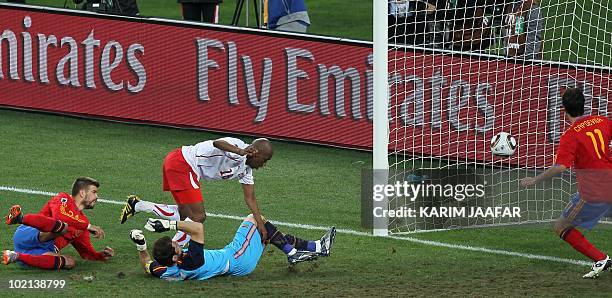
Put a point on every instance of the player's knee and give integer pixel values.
(69, 262)
(198, 217)
(561, 225)
(198, 213)
(250, 218)
(184, 211)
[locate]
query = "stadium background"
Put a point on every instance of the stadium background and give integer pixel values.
(45, 152)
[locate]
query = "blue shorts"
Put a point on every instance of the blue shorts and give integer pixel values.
(245, 250)
(26, 241)
(584, 214)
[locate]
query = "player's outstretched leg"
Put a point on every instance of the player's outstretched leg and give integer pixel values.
(49, 261)
(134, 205)
(38, 221)
(322, 246)
(299, 250)
(583, 214)
(573, 237)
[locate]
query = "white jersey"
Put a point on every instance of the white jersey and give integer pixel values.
(211, 163)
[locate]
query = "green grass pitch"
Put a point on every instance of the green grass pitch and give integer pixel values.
(302, 184)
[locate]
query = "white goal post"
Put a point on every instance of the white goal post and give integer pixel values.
(380, 107)
(450, 74)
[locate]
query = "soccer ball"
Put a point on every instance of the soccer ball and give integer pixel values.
(503, 144)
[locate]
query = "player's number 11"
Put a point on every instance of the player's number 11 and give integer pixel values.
(601, 141)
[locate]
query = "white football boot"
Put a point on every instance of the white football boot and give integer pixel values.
(599, 267)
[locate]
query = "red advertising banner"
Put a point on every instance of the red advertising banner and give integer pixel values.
(248, 82)
(309, 89)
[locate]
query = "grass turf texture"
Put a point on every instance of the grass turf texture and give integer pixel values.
(302, 183)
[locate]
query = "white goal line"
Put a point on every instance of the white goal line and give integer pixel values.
(350, 232)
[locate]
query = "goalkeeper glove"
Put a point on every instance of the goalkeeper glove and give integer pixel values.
(138, 237)
(160, 225)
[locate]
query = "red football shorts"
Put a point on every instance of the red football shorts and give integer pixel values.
(180, 179)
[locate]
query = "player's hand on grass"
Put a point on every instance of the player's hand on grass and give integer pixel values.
(139, 239)
(96, 231)
(529, 181)
(108, 253)
(160, 225)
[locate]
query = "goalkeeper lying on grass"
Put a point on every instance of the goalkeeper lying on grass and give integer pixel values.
(238, 258)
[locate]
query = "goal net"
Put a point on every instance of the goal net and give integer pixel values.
(461, 71)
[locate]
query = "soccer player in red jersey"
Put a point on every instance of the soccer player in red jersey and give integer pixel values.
(40, 237)
(585, 146)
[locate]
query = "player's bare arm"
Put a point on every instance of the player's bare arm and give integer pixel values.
(141, 245)
(249, 199)
(225, 146)
(549, 173)
(145, 259)
(194, 229)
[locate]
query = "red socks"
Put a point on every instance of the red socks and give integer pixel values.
(43, 223)
(42, 261)
(574, 238)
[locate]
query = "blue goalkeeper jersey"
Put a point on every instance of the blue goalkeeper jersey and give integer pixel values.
(195, 264)
(238, 258)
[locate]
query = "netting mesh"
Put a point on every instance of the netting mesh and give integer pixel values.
(461, 71)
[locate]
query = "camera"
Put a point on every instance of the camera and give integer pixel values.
(99, 6)
(123, 7)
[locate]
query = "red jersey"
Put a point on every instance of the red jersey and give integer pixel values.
(63, 207)
(586, 147)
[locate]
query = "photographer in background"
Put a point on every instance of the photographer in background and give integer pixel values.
(200, 10)
(524, 26)
(468, 28)
(411, 21)
(122, 7)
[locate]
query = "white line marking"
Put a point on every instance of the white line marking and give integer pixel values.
(351, 232)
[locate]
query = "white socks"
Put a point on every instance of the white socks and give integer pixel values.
(181, 237)
(169, 212)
